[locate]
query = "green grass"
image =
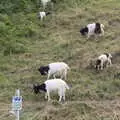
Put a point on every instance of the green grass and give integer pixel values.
(26, 43)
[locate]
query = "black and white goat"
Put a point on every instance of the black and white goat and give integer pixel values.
(93, 29)
(55, 85)
(43, 14)
(45, 2)
(55, 69)
(103, 61)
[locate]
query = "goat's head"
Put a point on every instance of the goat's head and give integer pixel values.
(36, 89)
(43, 70)
(84, 31)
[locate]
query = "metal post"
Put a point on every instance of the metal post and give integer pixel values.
(16, 104)
(18, 112)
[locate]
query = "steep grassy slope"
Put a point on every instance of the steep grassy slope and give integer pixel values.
(26, 43)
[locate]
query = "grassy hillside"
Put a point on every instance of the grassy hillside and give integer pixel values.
(26, 43)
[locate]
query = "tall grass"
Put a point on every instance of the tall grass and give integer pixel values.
(26, 43)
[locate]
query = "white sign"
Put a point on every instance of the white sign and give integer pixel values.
(17, 102)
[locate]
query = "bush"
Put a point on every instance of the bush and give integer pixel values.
(14, 6)
(3, 29)
(12, 47)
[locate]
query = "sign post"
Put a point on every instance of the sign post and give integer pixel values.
(17, 104)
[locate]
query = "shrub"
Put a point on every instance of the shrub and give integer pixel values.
(14, 6)
(3, 29)
(12, 47)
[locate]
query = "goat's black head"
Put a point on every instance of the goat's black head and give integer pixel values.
(37, 88)
(97, 64)
(84, 31)
(107, 54)
(98, 28)
(43, 70)
(47, 13)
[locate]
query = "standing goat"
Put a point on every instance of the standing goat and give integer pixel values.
(55, 69)
(42, 15)
(45, 2)
(92, 29)
(52, 85)
(103, 61)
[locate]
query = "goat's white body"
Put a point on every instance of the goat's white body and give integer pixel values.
(104, 60)
(91, 29)
(42, 15)
(44, 3)
(56, 85)
(58, 69)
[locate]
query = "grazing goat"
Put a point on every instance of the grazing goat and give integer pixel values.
(52, 85)
(92, 29)
(42, 15)
(55, 69)
(45, 2)
(103, 61)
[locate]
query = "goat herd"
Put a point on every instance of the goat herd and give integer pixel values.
(60, 69)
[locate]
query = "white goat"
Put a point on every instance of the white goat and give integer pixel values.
(55, 69)
(45, 2)
(103, 61)
(43, 15)
(52, 85)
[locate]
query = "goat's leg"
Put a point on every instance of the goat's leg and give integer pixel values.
(48, 95)
(88, 36)
(102, 34)
(63, 95)
(60, 96)
(101, 65)
(54, 76)
(109, 61)
(48, 75)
